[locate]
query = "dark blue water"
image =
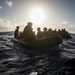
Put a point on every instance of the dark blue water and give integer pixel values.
(16, 60)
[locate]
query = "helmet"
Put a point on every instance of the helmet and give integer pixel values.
(45, 29)
(38, 28)
(17, 27)
(29, 23)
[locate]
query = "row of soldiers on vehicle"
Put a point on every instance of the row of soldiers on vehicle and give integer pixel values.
(29, 35)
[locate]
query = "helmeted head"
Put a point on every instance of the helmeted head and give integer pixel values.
(45, 29)
(38, 29)
(30, 24)
(17, 27)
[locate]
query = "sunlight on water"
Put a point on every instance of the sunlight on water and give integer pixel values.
(33, 73)
(11, 59)
(68, 55)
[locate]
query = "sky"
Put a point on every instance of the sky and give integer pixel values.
(43, 13)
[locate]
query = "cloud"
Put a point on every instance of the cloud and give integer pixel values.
(5, 24)
(69, 27)
(0, 7)
(65, 22)
(15, 20)
(9, 3)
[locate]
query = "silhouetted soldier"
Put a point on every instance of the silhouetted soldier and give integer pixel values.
(59, 32)
(45, 33)
(50, 32)
(55, 32)
(39, 33)
(16, 33)
(28, 34)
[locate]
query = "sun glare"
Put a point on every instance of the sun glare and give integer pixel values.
(37, 16)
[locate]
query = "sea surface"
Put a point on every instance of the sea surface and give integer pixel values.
(17, 60)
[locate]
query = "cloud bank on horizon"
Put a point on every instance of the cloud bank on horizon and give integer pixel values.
(60, 14)
(5, 24)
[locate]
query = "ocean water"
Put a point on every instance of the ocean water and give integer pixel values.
(17, 60)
